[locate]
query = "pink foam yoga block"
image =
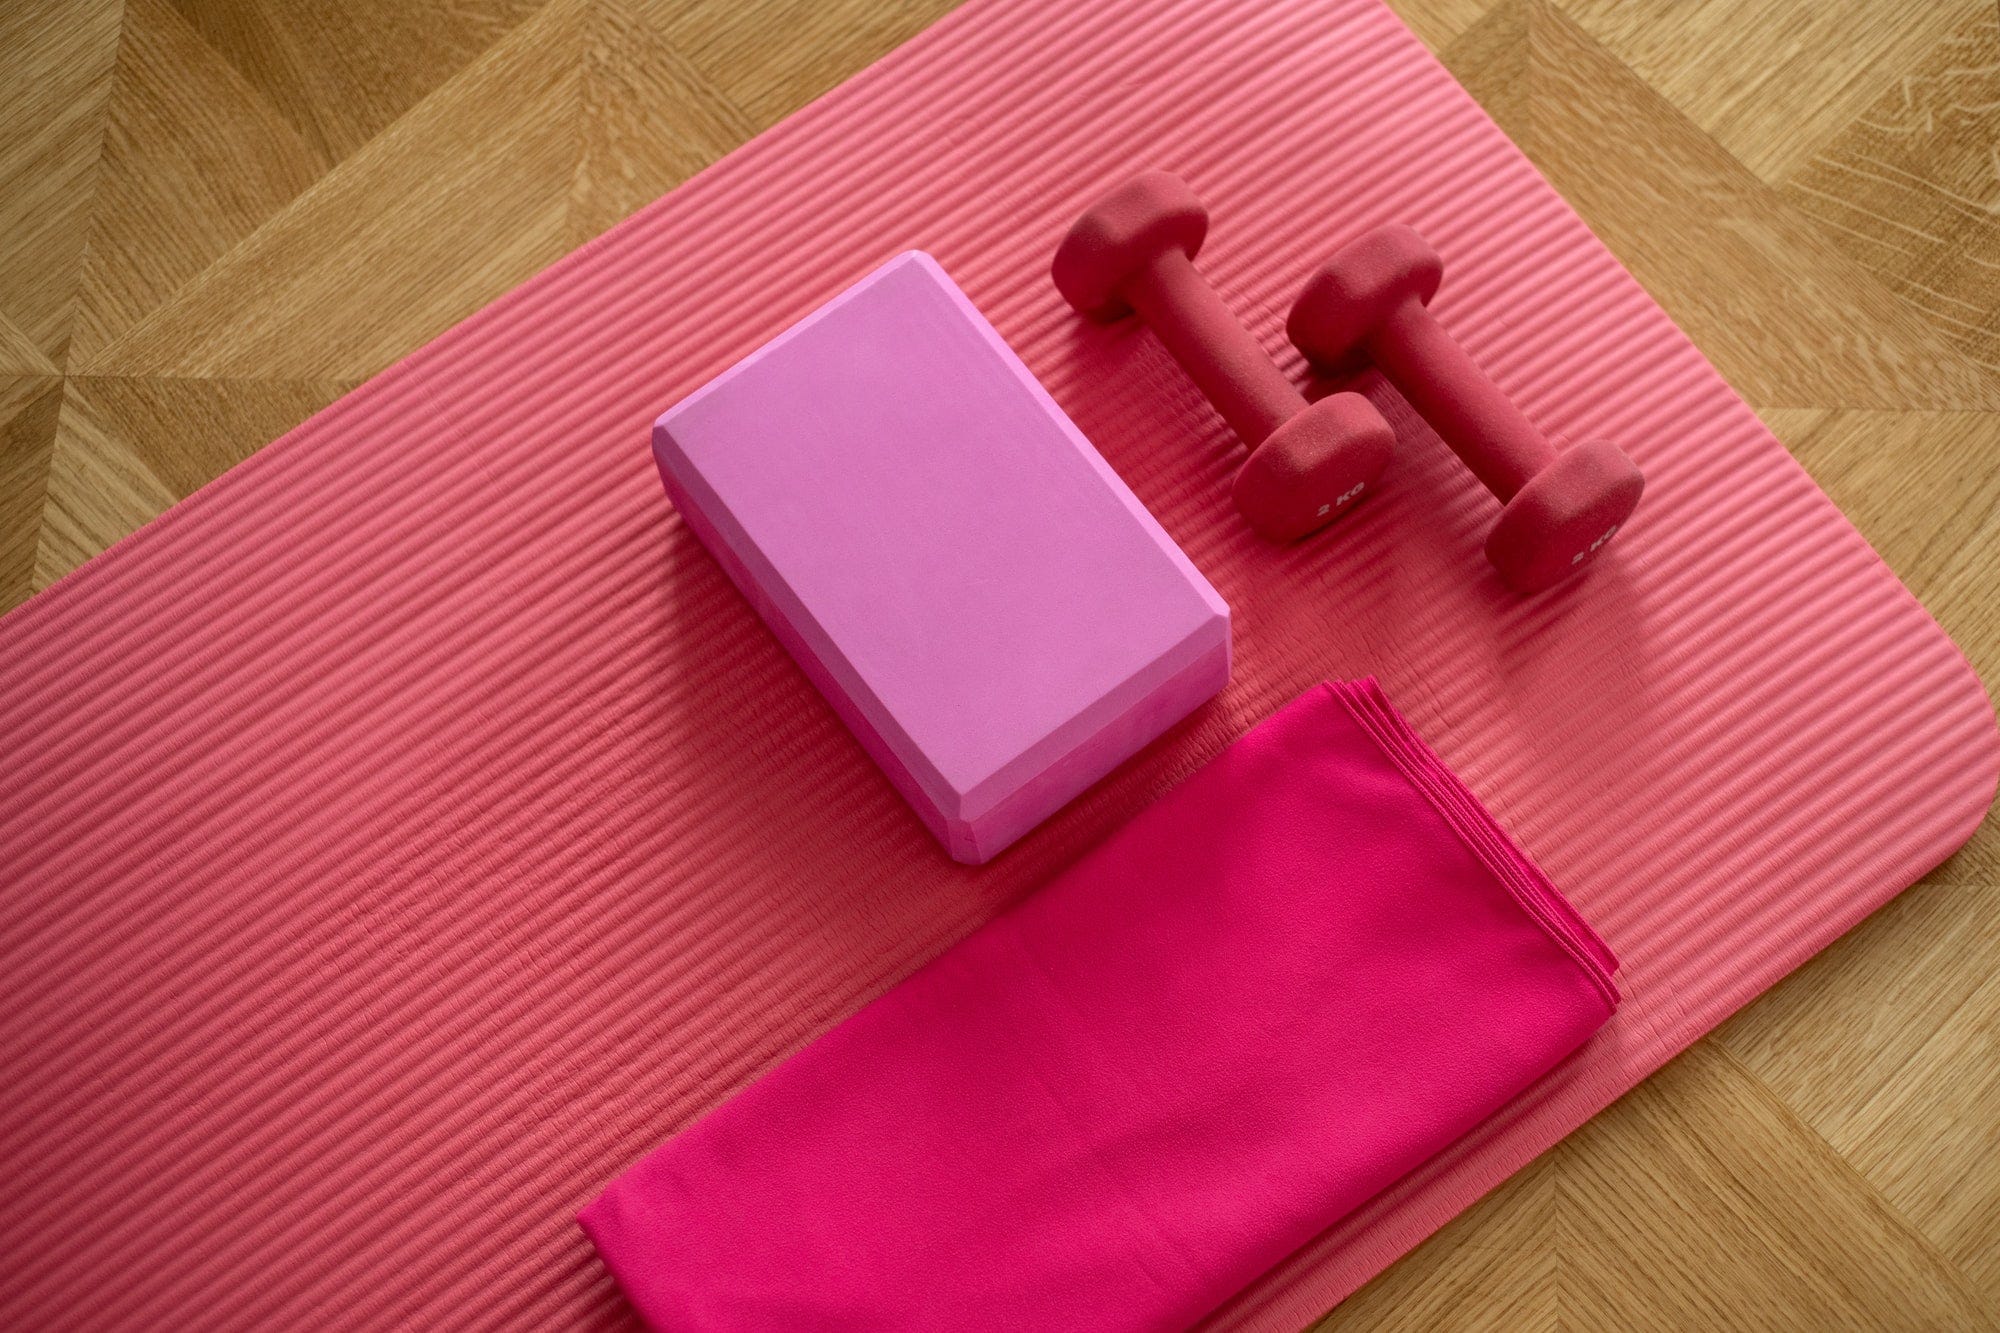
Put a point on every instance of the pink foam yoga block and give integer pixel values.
(982, 600)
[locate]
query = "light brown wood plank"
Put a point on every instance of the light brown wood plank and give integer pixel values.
(1927, 1140)
(773, 57)
(1770, 80)
(343, 70)
(29, 405)
(651, 119)
(1440, 22)
(1700, 1201)
(1785, 316)
(460, 200)
(1911, 189)
(56, 59)
(1494, 1267)
(193, 160)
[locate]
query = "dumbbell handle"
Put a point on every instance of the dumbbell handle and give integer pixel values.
(1461, 402)
(1213, 347)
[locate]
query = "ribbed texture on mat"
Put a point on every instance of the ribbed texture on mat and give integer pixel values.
(404, 834)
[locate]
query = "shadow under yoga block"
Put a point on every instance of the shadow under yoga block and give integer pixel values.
(982, 600)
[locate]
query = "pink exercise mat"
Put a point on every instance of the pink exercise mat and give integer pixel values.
(406, 833)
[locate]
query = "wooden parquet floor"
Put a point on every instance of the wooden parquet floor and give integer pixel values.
(218, 215)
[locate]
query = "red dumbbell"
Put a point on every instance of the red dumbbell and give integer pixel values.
(1560, 507)
(1133, 251)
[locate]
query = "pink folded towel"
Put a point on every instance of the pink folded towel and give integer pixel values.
(1294, 978)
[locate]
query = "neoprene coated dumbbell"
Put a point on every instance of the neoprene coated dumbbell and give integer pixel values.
(1559, 507)
(1133, 250)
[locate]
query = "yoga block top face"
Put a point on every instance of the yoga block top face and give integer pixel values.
(982, 600)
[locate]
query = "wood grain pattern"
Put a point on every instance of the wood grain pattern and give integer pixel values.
(217, 215)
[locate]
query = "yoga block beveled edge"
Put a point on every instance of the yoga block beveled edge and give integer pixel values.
(979, 596)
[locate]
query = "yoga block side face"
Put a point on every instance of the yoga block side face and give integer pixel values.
(985, 604)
